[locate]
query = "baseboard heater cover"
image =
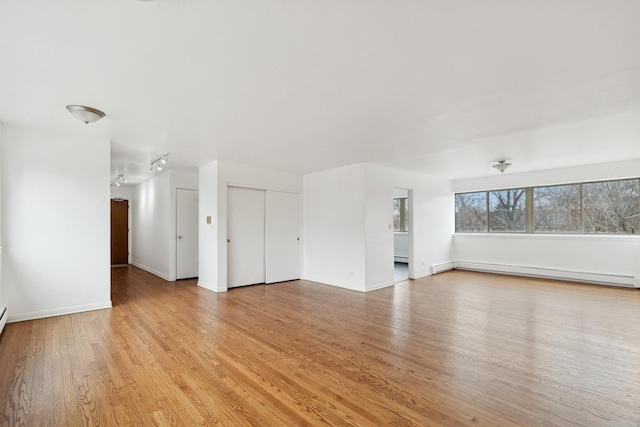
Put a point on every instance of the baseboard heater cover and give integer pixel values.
(3, 317)
(551, 273)
(442, 267)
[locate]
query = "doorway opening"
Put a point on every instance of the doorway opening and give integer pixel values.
(401, 234)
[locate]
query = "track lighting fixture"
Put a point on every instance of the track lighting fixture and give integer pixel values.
(162, 160)
(120, 179)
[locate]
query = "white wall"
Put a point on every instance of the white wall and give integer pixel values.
(401, 246)
(56, 223)
(2, 299)
(154, 222)
(602, 255)
(213, 202)
(333, 227)
(348, 225)
(124, 193)
(431, 223)
(150, 210)
(208, 233)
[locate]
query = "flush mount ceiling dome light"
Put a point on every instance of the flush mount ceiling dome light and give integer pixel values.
(501, 166)
(85, 114)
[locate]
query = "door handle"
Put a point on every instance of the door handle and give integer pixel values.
(228, 240)
(179, 237)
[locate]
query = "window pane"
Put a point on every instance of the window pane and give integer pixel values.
(405, 223)
(612, 207)
(396, 214)
(507, 210)
(401, 214)
(471, 212)
(556, 209)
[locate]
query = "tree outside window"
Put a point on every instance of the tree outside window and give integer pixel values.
(401, 214)
(604, 207)
(556, 209)
(471, 212)
(507, 210)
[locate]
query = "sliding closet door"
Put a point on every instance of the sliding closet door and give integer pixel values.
(246, 236)
(283, 236)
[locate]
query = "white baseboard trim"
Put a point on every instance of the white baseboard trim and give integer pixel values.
(379, 286)
(209, 287)
(152, 271)
(421, 275)
(550, 273)
(41, 314)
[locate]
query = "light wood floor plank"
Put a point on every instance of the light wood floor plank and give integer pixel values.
(459, 348)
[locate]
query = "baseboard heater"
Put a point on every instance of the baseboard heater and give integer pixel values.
(551, 273)
(3, 318)
(442, 267)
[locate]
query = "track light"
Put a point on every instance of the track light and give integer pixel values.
(158, 162)
(120, 179)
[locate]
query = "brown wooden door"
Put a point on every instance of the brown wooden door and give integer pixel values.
(119, 232)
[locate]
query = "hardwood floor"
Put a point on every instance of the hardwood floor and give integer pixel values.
(458, 348)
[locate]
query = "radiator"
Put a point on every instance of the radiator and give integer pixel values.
(551, 273)
(3, 317)
(441, 267)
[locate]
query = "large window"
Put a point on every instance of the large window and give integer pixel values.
(606, 207)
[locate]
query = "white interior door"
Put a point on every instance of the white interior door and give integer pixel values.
(283, 236)
(186, 234)
(246, 236)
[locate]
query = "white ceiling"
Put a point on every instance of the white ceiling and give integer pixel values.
(445, 87)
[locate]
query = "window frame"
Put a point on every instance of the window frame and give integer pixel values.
(530, 212)
(403, 209)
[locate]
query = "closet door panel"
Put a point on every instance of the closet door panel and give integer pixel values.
(246, 236)
(283, 236)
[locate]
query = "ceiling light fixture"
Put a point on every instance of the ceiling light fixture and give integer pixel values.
(85, 114)
(120, 179)
(501, 166)
(162, 160)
